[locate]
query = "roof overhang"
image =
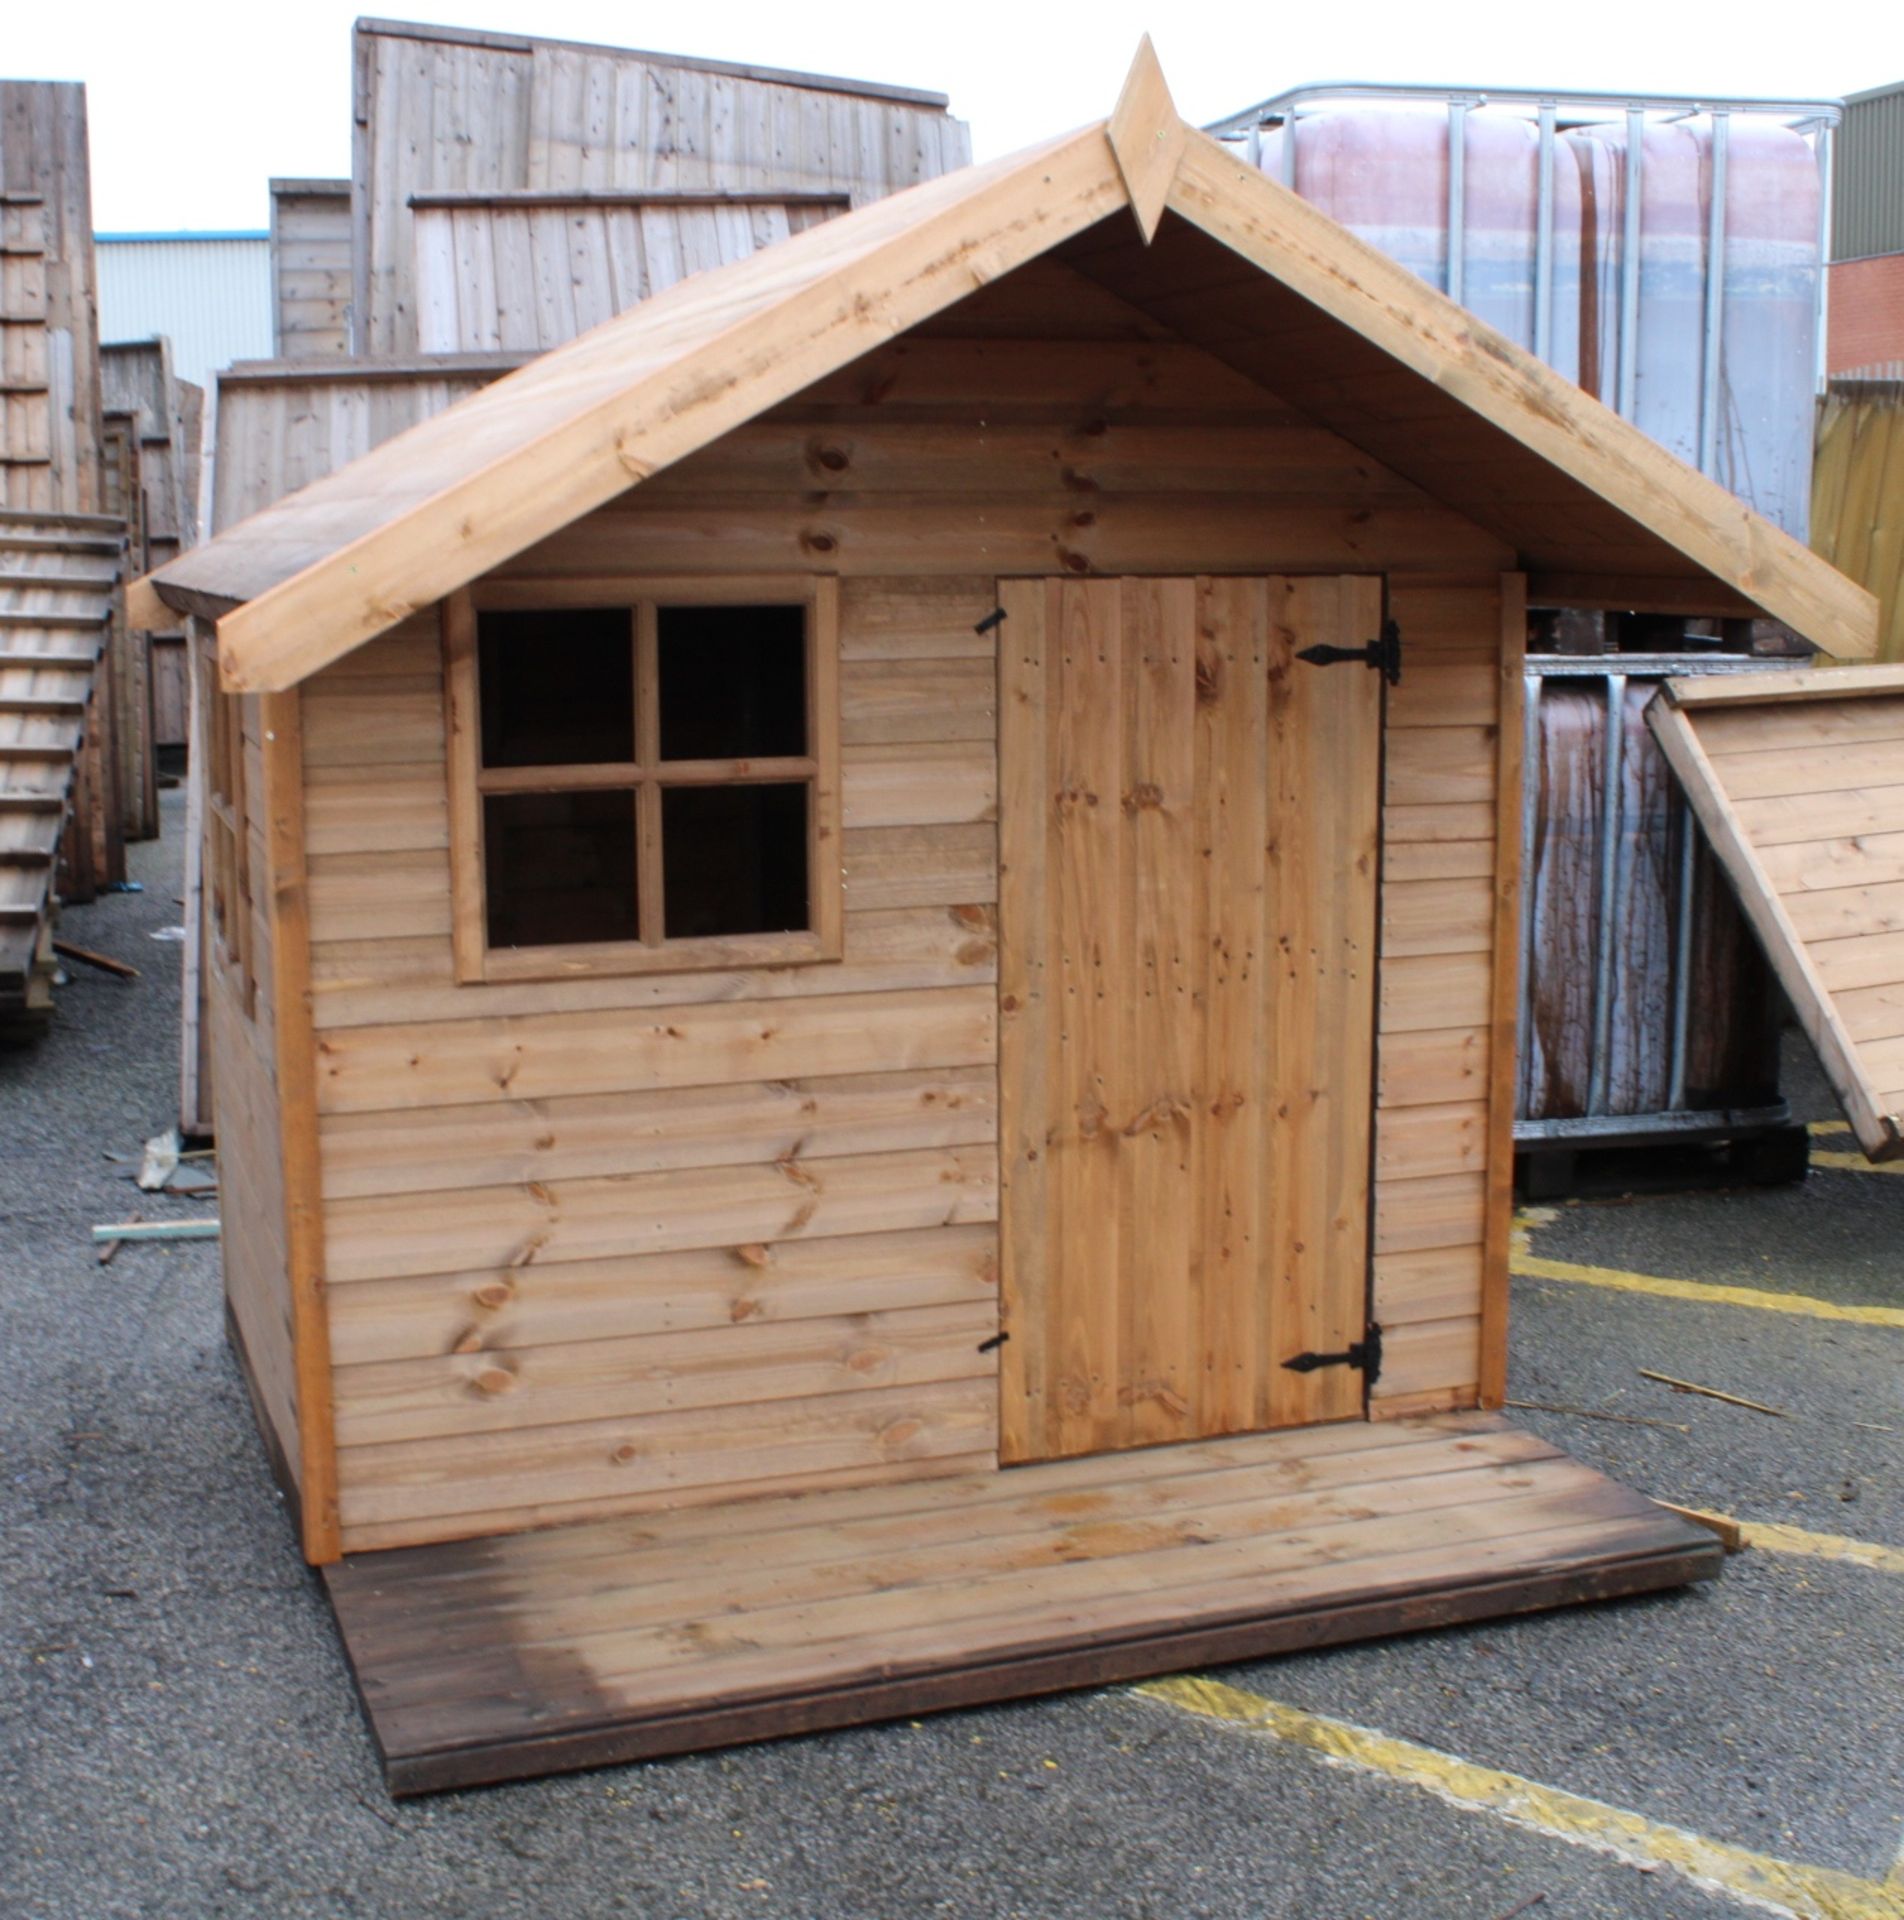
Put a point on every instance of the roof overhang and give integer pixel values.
(310, 578)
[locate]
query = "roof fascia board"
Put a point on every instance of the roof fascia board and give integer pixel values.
(1380, 299)
(671, 409)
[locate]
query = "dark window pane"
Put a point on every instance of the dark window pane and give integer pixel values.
(733, 682)
(734, 859)
(559, 868)
(558, 686)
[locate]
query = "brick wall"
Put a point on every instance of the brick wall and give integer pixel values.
(1864, 332)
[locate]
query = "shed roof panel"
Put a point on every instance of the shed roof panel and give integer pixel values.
(1241, 267)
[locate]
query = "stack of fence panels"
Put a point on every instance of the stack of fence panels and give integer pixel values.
(59, 584)
(310, 268)
(525, 272)
(139, 383)
(501, 118)
(128, 663)
(53, 466)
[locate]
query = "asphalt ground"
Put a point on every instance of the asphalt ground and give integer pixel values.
(178, 1734)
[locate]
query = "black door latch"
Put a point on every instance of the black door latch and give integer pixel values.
(1384, 655)
(1365, 1356)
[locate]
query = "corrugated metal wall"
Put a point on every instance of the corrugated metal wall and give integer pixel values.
(209, 294)
(1868, 192)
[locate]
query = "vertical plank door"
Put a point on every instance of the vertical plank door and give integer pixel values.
(1188, 825)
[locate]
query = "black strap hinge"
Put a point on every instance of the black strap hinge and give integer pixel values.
(1365, 1357)
(1384, 655)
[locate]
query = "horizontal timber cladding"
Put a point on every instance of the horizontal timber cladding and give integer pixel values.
(699, 1289)
(783, 1182)
(1439, 1144)
(977, 453)
(609, 1244)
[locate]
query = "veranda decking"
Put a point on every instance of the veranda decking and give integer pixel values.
(491, 1659)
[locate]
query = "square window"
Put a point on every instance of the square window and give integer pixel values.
(559, 868)
(649, 787)
(733, 682)
(734, 860)
(558, 687)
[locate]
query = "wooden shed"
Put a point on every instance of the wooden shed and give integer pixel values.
(863, 968)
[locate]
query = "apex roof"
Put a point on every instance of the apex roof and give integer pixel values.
(1327, 322)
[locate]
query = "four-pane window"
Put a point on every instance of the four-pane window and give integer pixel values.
(644, 785)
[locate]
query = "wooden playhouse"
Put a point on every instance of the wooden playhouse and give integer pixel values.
(863, 968)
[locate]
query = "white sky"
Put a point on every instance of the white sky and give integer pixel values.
(196, 103)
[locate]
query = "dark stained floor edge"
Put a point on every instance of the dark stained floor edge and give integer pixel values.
(1686, 1555)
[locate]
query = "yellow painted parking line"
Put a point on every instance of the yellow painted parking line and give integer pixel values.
(1774, 1538)
(1855, 1163)
(1846, 1162)
(1786, 1886)
(1534, 1266)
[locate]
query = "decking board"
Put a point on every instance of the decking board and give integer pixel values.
(623, 1639)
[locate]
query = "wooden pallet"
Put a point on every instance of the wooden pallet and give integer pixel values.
(582, 1645)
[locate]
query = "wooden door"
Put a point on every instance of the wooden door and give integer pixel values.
(1188, 845)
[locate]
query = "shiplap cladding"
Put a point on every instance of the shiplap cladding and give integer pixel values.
(1439, 947)
(526, 273)
(606, 1244)
(310, 269)
(628, 1242)
(439, 110)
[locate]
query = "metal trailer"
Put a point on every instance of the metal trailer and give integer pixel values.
(1628, 1039)
(1553, 110)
